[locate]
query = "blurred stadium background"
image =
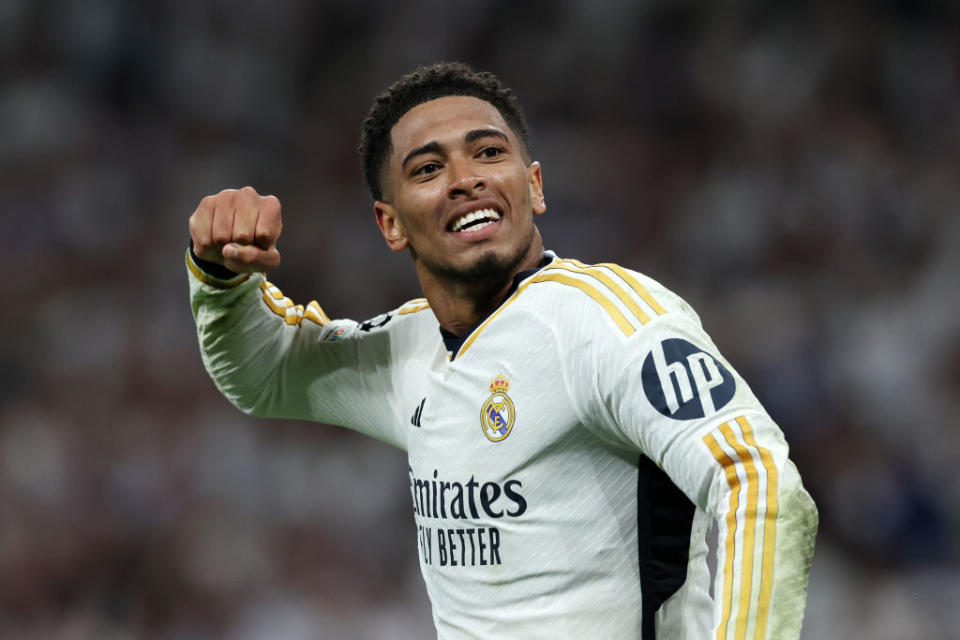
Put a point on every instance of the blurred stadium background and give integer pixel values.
(791, 168)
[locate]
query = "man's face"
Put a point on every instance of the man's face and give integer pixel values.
(459, 192)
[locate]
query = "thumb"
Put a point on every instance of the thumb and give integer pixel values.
(249, 258)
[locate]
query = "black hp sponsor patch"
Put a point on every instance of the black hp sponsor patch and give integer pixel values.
(684, 382)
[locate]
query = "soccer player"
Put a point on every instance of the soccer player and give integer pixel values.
(573, 434)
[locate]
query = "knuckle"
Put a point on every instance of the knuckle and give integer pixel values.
(224, 198)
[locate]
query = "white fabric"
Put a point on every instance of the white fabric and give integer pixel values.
(534, 535)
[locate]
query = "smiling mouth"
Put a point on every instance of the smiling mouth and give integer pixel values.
(475, 220)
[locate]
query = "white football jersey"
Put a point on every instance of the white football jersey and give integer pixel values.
(568, 457)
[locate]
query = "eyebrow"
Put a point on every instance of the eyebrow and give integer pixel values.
(430, 147)
(471, 136)
(477, 134)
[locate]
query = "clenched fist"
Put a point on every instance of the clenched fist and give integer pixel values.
(238, 228)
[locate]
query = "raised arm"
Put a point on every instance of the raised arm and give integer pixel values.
(267, 355)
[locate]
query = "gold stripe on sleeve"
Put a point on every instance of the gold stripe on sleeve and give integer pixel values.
(769, 529)
(407, 310)
(603, 301)
(277, 303)
(636, 286)
(413, 306)
(293, 314)
(314, 312)
(578, 267)
(733, 481)
(749, 530)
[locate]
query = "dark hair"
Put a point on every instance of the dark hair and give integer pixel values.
(425, 84)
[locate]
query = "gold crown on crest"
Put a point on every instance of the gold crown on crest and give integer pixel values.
(500, 383)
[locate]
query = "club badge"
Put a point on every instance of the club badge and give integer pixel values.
(497, 415)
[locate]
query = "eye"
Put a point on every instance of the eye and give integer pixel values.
(490, 152)
(426, 169)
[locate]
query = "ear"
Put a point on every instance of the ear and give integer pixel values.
(390, 226)
(535, 180)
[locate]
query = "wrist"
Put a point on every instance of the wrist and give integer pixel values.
(213, 273)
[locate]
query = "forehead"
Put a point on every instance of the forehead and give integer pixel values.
(444, 120)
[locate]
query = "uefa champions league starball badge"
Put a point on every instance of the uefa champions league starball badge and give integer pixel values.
(497, 415)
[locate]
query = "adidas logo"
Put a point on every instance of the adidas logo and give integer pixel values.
(415, 419)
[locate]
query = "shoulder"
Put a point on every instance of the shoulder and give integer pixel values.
(573, 296)
(412, 317)
(411, 320)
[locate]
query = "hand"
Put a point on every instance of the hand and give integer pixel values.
(238, 228)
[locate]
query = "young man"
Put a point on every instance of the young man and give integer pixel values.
(573, 434)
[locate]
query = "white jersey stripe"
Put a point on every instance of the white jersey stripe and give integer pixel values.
(315, 313)
(738, 452)
(275, 299)
(749, 530)
(617, 315)
(769, 529)
(733, 480)
(598, 274)
(636, 286)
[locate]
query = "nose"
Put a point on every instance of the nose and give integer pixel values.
(463, 181)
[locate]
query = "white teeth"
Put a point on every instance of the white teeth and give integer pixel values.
(489, 215)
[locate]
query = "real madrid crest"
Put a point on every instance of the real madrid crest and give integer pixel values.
(497, 415)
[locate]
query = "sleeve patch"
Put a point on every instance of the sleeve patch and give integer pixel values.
(684, 382)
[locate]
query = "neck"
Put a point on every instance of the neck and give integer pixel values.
(459, 305)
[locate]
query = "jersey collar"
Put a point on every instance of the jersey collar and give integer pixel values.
(453, 343)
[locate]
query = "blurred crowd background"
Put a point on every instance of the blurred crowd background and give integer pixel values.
(791, 168)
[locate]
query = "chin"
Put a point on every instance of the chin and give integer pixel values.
(489, 267)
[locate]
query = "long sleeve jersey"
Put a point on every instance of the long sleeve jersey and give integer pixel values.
(582, 464)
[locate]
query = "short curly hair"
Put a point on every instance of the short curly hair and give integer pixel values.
(425, 84)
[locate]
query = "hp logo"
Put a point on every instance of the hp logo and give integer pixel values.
(684, 382)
